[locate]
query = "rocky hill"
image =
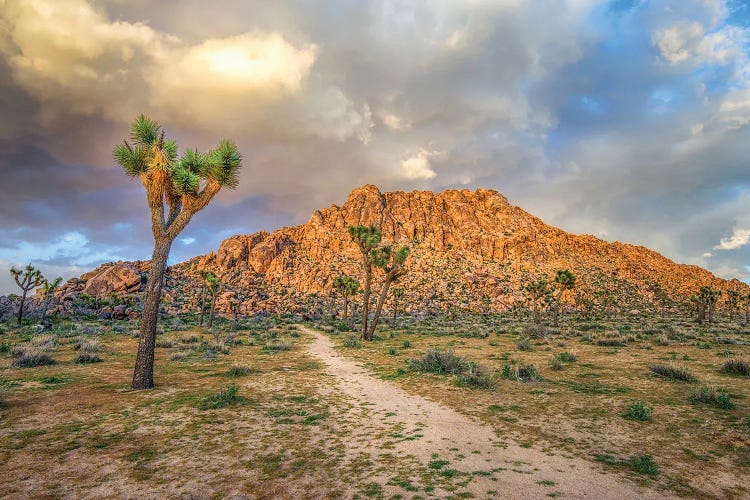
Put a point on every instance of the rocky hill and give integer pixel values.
(470, 250)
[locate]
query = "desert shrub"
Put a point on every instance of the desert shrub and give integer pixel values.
(352, 341)
(406, 344)
(475, 376)
(663, 340)
(224, 397)
(557, 364)
(521, 373)
(524, 344)
(4, 348)
(43, 342)
(179, 356)
(736, 367)
(278, 345)
(536, 331)
(217, 348)
(86, 344)
(611, 342)
(567, 357)
(393, 351)
(30, 358)
(673, 371)
(713, 396)
(190, 339)
(241, 371)
(644, 464)
(164, 343)
(638, 411)
(440, 362)
(86, 357)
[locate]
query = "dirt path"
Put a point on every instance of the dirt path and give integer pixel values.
(516, 472)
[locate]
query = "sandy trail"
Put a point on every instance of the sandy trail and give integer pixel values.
(525, 473)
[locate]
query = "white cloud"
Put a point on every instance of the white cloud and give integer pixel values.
(72, 246)
(738, 239)
(187, 240)
(707, 255)
(418, 166)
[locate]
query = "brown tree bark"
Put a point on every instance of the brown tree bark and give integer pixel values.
(143, 375)
(366, 296)
(379, 307)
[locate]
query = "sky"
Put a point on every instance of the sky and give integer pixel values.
(625, 119)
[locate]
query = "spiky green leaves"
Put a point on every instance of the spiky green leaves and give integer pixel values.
(195, 162)
(224, 164)
(144, 131)
(565, 279)
(366, 237)
(184, 181)
(134, 160)
(346, 285)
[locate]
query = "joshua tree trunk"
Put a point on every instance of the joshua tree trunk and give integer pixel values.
(395, 308)
(556, 316)
(143, 376)
(20, 307)
(346, 306)
(213, 308)
(203, 303)
(378, 308)
(366, 296)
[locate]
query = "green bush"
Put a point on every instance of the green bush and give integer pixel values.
(352, 341)
(567, 357)
(440, 362)
(638, 411)
(241, 371)
(644, 464)
(521, 373)
(713, 396)
(475, 376)
(221, 399)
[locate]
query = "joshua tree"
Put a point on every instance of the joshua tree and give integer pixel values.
(537, 291)
(186, 185)
(214, 287)
(564, 281)
(347, 287)
(392, 262)
(706, 303)
(205, 277)
(733, 300)
(27, 279)
(367, 239)
(49, 288)
(397, 294)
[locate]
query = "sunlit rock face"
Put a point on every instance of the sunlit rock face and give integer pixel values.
(470, 249)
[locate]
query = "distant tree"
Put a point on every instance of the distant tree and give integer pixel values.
(347, 287)
(367, 239)
(397, 294)
(733, 300)
(27, 279)
(205, 276)
(536, 292)
(214, 288)
(186, 185)
(705, 304)
(392, 262)
(564, 281)
(48, 290)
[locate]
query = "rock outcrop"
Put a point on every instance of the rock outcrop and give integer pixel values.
(470, 250)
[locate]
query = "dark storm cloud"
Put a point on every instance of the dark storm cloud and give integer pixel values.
(624, 119)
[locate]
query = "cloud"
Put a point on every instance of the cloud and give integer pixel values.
(738, 239)
(417, 166)
(628, 120)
